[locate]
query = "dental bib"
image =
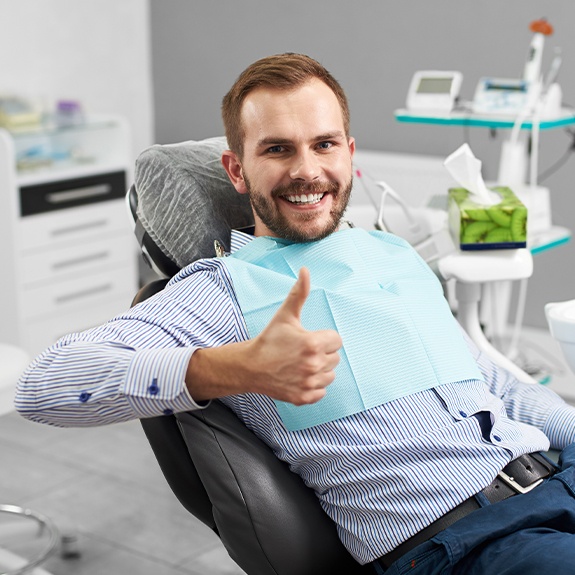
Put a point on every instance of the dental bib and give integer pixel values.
(399, 336)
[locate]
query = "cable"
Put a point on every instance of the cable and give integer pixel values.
(533, 165)
(513, 350)
(561, 161)
(533, 100)
(360, 173)
(416, 230)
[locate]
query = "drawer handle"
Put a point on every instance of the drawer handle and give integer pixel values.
(80, 227)
(79, 194)
(79, 261)
(65, 298)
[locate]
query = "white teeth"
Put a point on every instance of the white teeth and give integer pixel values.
(305, 199)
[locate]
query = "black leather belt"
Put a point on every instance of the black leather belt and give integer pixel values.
(519, 476)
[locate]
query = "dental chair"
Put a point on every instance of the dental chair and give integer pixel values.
(267, 519)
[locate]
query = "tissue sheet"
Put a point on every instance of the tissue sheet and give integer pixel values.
(465, 169)
(399, 336)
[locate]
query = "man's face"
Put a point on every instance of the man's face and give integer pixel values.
(297, 161)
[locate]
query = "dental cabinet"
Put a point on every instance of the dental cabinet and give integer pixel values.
(69, 259)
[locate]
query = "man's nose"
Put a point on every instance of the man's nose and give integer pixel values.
(305, 166)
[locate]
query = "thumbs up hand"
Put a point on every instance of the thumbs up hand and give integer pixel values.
(285, 361)
(295, 365)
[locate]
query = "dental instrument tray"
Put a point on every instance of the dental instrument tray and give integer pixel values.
(476, 226)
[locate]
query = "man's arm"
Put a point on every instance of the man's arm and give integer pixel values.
(172, 352)
(529, 403)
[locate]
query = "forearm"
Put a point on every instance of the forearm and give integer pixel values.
(219, 371)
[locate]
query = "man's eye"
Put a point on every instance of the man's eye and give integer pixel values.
(275, 149)
(324, 145)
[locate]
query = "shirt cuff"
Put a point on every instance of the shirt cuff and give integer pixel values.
(560, 426)
(155, 382)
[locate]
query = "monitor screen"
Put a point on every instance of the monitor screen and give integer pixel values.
(507, 86)
(434, 85)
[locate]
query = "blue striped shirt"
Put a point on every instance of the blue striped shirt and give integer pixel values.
(382, 475)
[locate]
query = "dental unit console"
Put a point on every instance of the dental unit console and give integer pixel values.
(501, 96)
(433, 91)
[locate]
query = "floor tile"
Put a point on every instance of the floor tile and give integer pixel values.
(121, 450)
(126, 515)
(216, 562)
(101, 558)
(27, 474)
(105, 486)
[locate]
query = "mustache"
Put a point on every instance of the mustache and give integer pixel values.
(298, 188)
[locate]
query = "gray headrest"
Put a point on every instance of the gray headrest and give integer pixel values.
(186, 201)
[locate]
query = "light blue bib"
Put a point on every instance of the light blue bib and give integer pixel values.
(399, 336)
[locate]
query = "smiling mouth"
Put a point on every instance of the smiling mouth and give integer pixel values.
(305, 199)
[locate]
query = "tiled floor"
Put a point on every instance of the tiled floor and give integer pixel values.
(105, 484)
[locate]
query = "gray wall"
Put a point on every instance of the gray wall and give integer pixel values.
(373, 48)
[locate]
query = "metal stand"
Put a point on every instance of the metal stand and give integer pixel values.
(473, 270)
(19, 565)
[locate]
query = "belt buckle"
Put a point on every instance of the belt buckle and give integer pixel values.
(516, 486)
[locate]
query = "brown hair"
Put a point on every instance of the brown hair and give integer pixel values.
(282, 71)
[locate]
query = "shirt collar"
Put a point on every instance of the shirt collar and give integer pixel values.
(239, 239)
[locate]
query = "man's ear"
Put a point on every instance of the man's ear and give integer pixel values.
(351, 144)
(233, 168)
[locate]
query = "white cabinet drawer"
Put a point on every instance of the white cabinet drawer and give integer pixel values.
(44, 231)
(64, 194)
(77, 294)
(77, 259)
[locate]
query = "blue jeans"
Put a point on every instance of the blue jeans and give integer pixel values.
(529, 534)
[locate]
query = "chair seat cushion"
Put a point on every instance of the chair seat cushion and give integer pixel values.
(268, 520)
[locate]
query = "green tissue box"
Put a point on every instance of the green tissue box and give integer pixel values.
(476, 226)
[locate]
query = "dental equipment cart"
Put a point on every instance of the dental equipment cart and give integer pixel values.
(492, 267)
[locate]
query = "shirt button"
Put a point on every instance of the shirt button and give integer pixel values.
(497, 438)
(168, 411)
(463, 414)
(84, 396)
(153, 389)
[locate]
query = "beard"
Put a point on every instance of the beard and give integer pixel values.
(268, 212)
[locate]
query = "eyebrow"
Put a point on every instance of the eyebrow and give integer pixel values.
(273, 141)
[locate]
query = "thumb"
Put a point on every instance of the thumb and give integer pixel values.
(293, 304)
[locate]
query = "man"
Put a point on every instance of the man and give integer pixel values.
(395, 475)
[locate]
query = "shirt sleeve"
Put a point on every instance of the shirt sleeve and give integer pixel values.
(533, 404)
(89, 383)
(133, 366)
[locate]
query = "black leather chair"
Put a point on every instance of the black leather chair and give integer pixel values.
(266, 518)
